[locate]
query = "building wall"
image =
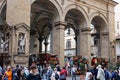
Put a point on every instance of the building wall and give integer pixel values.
(19, 11)
(117, 28)
(117, 20)
(118, 47)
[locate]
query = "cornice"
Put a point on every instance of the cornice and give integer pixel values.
(111, 2)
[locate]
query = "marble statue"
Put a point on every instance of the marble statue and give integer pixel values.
(6, 44)
(21, 45)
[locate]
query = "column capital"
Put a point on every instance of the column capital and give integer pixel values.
(60, 23)
(86, 29)
(46, 43)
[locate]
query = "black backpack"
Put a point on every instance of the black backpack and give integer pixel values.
(56, 76)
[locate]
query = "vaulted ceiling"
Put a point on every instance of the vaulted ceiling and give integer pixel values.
(42, 13)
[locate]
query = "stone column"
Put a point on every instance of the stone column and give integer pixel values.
(40, 44)
(58, 41)
(111, 25)
(77, 41)
(105, 45)
(46, 44)
(85, 43)
(12, 43)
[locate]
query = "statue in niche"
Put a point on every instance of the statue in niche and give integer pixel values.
(1, 41)
(1, 44)
(21, 43)
(6, 43)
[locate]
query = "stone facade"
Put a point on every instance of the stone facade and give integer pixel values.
(41, 17)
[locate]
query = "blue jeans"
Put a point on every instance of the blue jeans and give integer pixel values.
(73, 76)
(44, 76)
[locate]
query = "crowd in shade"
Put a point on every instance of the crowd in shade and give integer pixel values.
(46, 72)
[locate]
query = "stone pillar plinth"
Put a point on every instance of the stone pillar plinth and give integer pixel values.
(85, 43)
(58, 41)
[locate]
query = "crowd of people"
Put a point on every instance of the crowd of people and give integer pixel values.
(38, 72)
(35, 72)
(102, 73)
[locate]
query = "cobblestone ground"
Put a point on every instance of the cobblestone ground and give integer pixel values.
(77, 78)
(70, 78)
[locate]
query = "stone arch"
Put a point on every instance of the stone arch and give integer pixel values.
(2, 6)
(50, 14)
(3, 13)
(80, 10)
(100, 34)
(56, 5)
(103, 18)
(76, 17)
(43, 18)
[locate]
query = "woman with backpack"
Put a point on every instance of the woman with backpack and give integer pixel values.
(55, 75)
(63, 74)
(20, 75)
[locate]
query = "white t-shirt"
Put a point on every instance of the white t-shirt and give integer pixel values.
(53, 75)
(88, 74)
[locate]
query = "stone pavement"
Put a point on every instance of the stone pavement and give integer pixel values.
(70, 78)
(77, 78)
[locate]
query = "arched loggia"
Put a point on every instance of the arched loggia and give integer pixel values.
(99, 37)
(43, 15)
(76, 20)
(4, 36)
(70, 43)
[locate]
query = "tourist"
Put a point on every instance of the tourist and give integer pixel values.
(63, 74)
(49, 73)
(44, 73)
(20, 75)
(55, 75)
(107, 76)
(26, 72)
(115, 75)
(100, 74)
(58, 67)
(8, 74)
(34, 75)
(73, 72)
(89, 75)
(94, 72)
